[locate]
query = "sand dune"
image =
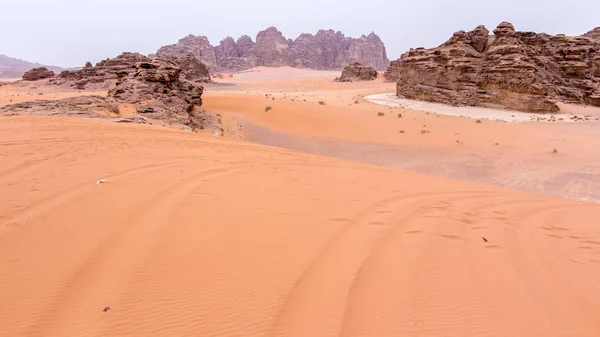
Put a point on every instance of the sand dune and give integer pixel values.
(197, 235)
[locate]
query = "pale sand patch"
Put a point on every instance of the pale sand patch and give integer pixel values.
(473, 112)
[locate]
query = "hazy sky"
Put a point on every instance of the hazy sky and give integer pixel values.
(71, 32)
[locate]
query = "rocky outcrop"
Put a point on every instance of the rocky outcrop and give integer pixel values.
(593, 34)
(509, 69)
(104, 74)
(325, 50)
(158, 89)
(37, 74)
(101, 76)
(154, 87)
(357, 72)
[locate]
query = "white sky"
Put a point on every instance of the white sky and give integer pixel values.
(71, 32)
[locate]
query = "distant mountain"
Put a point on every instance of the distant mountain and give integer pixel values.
(326, 50)
(14, 68)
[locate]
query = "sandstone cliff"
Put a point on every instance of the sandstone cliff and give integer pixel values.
(517, 70)
(325, 50)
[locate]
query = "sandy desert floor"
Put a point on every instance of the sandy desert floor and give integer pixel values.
(201, 235)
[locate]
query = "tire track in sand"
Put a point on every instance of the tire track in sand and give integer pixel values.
(318, 298)
(45, 204)
(103, 274)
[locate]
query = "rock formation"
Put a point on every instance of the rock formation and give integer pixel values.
(516, 70)
(357, 72)
(157, 88)
(102, 76)
(154, 87)
(37, 74)
(325, 50)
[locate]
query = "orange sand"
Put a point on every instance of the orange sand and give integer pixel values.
(205, 236)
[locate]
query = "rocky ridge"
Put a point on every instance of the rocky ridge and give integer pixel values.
(324, 51)
(517, 70)
(357, 72)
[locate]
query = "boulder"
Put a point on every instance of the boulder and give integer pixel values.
(517, 70)
(357, 72)
(37, 74)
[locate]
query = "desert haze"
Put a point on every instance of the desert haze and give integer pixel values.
(145, 196)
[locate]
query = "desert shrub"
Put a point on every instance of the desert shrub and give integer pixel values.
(380, 114)
(321, 102)
(268, 107)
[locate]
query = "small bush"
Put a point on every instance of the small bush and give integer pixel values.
(555, 151)
(423, 132)
(399, 115)
(479, 121)
(321, 102)
(380, 114)
(268, 107)
(356, 102)
(402, 131)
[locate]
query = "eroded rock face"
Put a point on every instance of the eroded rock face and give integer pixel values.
(37, 74)
(516, 70)
(357, 72)
(325, 50)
